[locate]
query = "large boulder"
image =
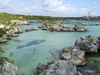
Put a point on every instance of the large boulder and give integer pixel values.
(41, 67)
(80, 27)
(3, 40)
(60, 68)
(88, 44)
(74, 54)
(8, 69)
(17, 30)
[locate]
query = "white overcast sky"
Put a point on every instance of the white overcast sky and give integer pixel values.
(65, 8)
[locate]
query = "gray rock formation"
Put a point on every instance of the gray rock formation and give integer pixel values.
(8, 69)
(31, 29)
(3, 38)
(88, 44)
(74, 54)
(80, 27)
(58, 68)
(56, 27)
(12, 33)
(20, 22)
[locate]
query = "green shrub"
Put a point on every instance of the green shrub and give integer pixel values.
(90, 38)
(3, 59)
(50, 62)
(2, 31)
(98, 38)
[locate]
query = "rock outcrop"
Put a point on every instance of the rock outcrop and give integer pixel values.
(8, 69)
(31, 29)
(80, 27)
(74, 54)
(14, 31)
(20, 22)
(88, 44)
(10, 33)
(58, 68)
(59, 27)
(56, 27)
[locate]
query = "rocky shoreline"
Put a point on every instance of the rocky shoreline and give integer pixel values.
(8, 69)
(13, 32)
(71, 56)
(73, 59)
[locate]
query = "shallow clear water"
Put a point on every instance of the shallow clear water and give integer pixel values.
(34, 47)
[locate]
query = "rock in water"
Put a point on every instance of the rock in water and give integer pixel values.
(88, 44)
(80, 27)
(59, 68)
(8, 69)
(74, 54)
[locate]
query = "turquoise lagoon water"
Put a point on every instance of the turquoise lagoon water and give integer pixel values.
(34, 47)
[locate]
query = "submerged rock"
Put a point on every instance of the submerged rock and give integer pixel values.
(8, 69)
(58, 68)
(92, 68)
(34, 42)
(74, 54)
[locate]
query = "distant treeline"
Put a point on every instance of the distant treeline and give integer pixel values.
(6, 17)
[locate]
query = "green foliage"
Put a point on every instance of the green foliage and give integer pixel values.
(2, 31)
(50, 62)
(98, 38)
(57, 64)
(90, 38)
(3, 59)
(11, 54)
(36, 74)
(6, 17)
(55, 68)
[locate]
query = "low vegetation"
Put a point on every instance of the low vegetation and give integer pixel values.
(90, 38)
(5, 18)
(2, 31)
(3, 59)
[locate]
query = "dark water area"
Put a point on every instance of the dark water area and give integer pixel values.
(34, 42)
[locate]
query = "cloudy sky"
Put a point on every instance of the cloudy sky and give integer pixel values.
(64, 8)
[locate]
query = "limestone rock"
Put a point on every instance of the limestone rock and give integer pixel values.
(61, 68)
(80, 27)
(74, 54)
(8, 69)
(88, 44)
